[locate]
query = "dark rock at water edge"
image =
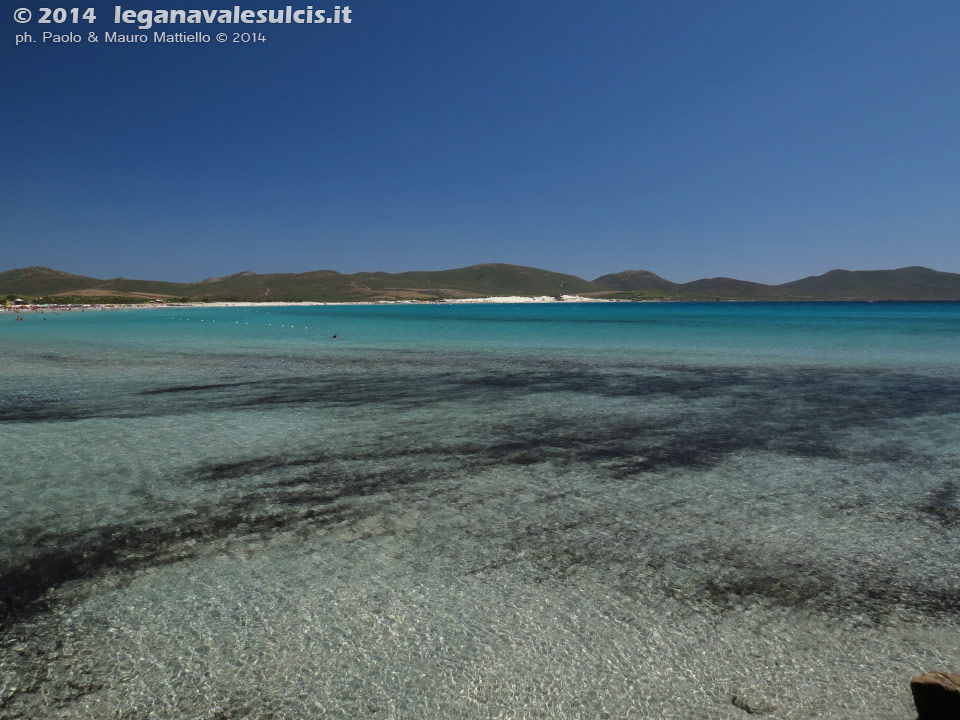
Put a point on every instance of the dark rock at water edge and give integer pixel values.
(936, 695)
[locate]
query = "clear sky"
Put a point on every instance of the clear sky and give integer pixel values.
(764, 140)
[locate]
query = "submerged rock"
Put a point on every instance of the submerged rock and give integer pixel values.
(936, 695)
(752, 706)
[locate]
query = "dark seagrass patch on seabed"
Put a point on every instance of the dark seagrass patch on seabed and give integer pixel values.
(199, 388)
(40, 405)
(671, 549)
(869, 592)
(320, 498)
(944, 504)
(839, 397)
(787, 411)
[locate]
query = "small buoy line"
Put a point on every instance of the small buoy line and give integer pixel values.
(335, 336)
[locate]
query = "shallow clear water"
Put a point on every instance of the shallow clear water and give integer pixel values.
(643, 510)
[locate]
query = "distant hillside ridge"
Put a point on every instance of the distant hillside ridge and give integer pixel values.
(909, 283)
(489, 279)
(318, 285)
(634, 281)
(35, 281)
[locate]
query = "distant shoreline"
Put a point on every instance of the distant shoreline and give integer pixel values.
(491, 300)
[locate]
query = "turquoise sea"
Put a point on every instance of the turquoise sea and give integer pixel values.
(657, 510)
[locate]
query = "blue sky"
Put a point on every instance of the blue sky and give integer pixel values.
(760, 140)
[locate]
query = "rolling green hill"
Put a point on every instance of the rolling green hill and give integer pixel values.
(636, 281)
(723, 287)
(38, 281)
(909, 283)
